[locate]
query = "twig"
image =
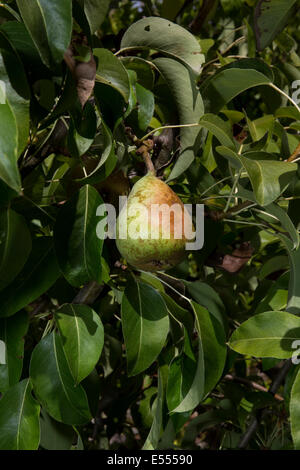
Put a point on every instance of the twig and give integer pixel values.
(247, 436)
(89, 293)
(252, 384)
(295, 154)
(143, 150)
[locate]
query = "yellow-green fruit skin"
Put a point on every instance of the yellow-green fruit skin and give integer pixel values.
(150, 254)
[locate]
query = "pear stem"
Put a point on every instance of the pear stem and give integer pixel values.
(143, 150)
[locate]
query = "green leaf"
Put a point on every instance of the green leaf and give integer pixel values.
(13, 254)
(82, 130)
(211, 357)
(107, 158)
(293, 305)
(145, 325)
(55, 435)
(228, 83)
(219, 128)
(165, 37)
(18, 36)
(82, 338)
(38, 275)
(112, 72)
(272, 265)
(145, 110)
(54, 385)
(206, 296)
(295, 411)
(9, 172)
(270, 17)
(19, 418)
(19, 108)
(50, 26)
(180, 314)
(152, 440)
(95, 11)
(12, 333)
(285, 221)
(269, 334)
(14, 66)
(142, 68)
(181, 375)
(190, 109)
(77, 245)
(269, 178)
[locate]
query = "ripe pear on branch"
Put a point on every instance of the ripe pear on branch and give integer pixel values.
(153, 227)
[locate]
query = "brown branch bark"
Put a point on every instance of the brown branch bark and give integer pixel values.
(201, 16)
(89, 293)
(251, 384)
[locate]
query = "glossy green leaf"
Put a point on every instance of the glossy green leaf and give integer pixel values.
(165, 37)
(55, 435)
(107, 158)
(206, 296)
(95, 11)
(225, 85)
(82, 131)
(293, 305)
(18, 36)
(295, 411)
(19, 418)
(269, 334)
(210, 359)
(190, 109)
(112, 72)
(145, 110)
(19, 109)
(82, 336)
(12, 333)
(145, 325)
(272, 265)
(181, 375)
(269, 178)
(180, 314)
(152, 440)
(54, 385)
(219, 128)
(77, 245)
(269, 19)
(39, 273)
(9, 172)
(50, 26)
(13, 254)
(143, 69)
(278, 212)
(14, 66)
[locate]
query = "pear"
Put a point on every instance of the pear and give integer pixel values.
(150, 240)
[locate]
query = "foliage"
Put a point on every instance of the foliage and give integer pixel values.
(95, 354)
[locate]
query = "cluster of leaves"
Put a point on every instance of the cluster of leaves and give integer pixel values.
(96, 356)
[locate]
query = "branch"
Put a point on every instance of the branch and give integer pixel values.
(53, 143)
(201, 16)
(254, 423)
(251, 384)
(89, 293)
